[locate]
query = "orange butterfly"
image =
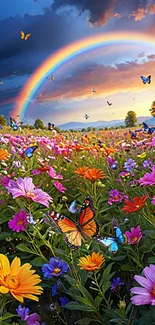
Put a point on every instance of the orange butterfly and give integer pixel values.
(85, 228)
(24, 36)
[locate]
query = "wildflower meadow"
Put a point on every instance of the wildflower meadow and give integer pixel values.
(77, 228)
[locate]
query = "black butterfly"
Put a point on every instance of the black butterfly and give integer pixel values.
(109, 103)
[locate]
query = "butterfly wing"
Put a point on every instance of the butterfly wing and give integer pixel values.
(73, 236)
(88, 225)
(146, 128)
(22, 35)
(15, 127)
(29, 151)
(148, 80)
(72, 208)
(119, 235)
(143, 79)
(110, 243)
(151, 130)
(27, 36)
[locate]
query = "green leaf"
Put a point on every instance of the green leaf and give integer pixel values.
(23, 248)
(70, 280)
(72, 305)
(7, 316)
(38, 261)
(151, 259)
(106, 286)
(84, 321)
(127, 267)
(115, 320)
(4, 235)
(86, 294)
(98, 301)
(119, 258)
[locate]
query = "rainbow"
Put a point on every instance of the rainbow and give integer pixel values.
(53, 62)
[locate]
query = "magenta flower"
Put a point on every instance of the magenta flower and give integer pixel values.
(134, 236)
(5, 181)
(35, 172)
(116, 196)
(148, 178)
(60, 187)
(145, 295)
(52, 173)
(19, 221)
(26, 188)
(153, 200)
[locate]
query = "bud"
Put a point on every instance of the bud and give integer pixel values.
(64, 198)
(3, 163)
(4, 172)
(100, 184)
(8, 239)
(122, 304)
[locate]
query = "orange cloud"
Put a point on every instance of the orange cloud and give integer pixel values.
(139, 14)
(106, 79)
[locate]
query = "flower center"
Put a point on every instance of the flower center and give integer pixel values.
(56, 270)
(11, 281)
(153, 291)
(135, 239)
(20, 222)
(116, 197)
(30, 194)
(137, 206)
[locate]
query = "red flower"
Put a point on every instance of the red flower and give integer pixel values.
(135, 205)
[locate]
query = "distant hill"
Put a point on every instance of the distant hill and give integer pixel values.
(101, 124)
(151, 121)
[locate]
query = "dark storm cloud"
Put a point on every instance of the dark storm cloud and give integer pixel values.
(49, 32)
(101, 11)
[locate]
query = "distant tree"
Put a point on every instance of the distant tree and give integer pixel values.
(152, 110)
(89, 129)
(100, 129)
(83, 130)
(94, 129)
(2, 120)
(130, 119)
(38, 124)
(105, 128)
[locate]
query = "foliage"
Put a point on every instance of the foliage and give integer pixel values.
(38, 124)
(152, 110)
(130, 119)
(2, 120)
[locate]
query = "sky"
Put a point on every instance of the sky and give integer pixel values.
(113, 70)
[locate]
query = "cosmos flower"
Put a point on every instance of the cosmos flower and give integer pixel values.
(129, 165)
(137, 204)
(134, 235)
(19, 221)
(148, 178)
(26, 188)
(91, 262)
(19, 280)
(94, 174)
(60, 187)
(145, 295)
(115, 196)
(4, 155)
(81, 171)
(55, 267)
(116, 285)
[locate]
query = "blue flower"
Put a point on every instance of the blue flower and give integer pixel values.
(55, 267)
(22, 312)
(116, 285)
(63, 301)
(129, 165)
(55, 288)
(148, 163)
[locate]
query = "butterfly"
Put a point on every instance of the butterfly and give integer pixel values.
(24, 36)
(147, 129)
(112, 242)
(146, 80)
(72, 208)
(86, 226)
(94, 90)
(86, 116)
(133, 135)
(109, 103)
(29, 151)
(51, 78)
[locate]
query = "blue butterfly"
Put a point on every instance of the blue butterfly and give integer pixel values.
(114, 166)
(29, 151)
(147, 129)
(72, 208)
(146, 80)
(112, 242)
(133, 135)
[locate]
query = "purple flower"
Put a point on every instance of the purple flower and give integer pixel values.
(19, 221)
(23, 312)
(26, 188)
(55, 267)
(148, 163)
(17, 164)
(148, 178)
(5, 181)
(111, 161)
(35, 172)
(145, 295)
(116, 285)
(116, 196)
(63, 301)
(129, 165)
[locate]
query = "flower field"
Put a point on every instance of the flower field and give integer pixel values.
(77, 228)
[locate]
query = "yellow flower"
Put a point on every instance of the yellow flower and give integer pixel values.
(4, 155)
(91, 262)
(142, 155)
(19, 280)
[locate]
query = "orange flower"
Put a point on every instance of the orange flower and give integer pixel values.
(91, 262)
(19, 280)
(4, 155)
(93, 174)
(81, 171)
(137, 204)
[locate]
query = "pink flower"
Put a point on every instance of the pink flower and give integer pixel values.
(52, 173)
(148, 178)
(35, 172)
(134, 236)
(26, 188)
(60, 187)
(19, 221)
(5, 181)
(145, 295)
